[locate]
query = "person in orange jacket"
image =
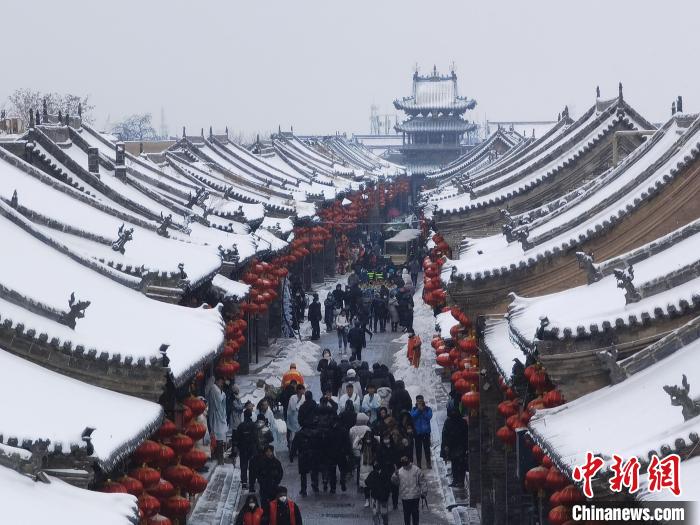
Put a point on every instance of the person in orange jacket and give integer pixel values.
(414, 349)
(292, 374)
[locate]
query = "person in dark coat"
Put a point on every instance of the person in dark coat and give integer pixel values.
(379, 484)
(329, 312)
(268, 474)
(357, 341)
(348, 417)
(245, 440)
(392, 381)
(454, 445)
(306, 445)
(379, 377)
(389, 460)
(282, 510)
(379, 427)
(337, 449)
(400, 399)
(327, 400)
(326, 371)
(363, 374)
(307, 411)
(379, 312)
(315, 318)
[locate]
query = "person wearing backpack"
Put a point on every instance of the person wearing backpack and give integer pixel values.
(245, 439)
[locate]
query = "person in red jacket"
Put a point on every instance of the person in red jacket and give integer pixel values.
(292, 375)
(251, 513)
(414, 349)
(282, 510)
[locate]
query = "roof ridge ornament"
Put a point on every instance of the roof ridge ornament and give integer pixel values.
(586, 261)
(608, 358)
(162, 230)
(124, 236)
(624, 277)
(681, 397)
(597, 92)
(77, 311)
(619, 91)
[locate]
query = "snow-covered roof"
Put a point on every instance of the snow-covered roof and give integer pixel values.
(228, 288)
(28, 502)
(435, 125)
(277, 224)
(603, 423)
(444, 321)
(409, 234)
(435, 93)
(49, 406)
(499, 344)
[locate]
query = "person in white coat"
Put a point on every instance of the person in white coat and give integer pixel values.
(371, 403)
(349, 395)
(264, 408)
(216, 400)
(295, 403)
(351, 379)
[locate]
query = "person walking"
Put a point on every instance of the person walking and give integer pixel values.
(307, 411)
(305, 445)
(379, 313)
(342, 325)
(379, 484)
(421, 415)
(389, 460)
(455, 433)
(370, 403)
(400, 399)
(368, 457)
(268, 473)
(282, 510)
(414, 349)
(412, 488)
(295, 403)
(357, 341)
(414, 270)
(349, 396)
(292, 375)
(356, 434)
(216, 417)
(251, 513)
(394, 312)
(245, 440)
(315, 318)
(329, 312)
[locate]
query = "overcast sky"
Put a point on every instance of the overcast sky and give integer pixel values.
(318, 65)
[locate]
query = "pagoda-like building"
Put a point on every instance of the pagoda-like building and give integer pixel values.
(434, 130)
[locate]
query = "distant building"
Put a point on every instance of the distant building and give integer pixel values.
(433, 132)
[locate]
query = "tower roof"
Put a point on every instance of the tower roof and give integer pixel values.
(435, 93)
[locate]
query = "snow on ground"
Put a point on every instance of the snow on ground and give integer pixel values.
(28, 502)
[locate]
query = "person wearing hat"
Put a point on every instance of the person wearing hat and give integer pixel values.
(315, 317)
(282, 510)
(351, 379)
(251, 513)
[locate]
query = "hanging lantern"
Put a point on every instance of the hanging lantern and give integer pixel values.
(196, 484)
(559, 515)
(535, 404)
(113, 487)
(146, 475)
(506, 409)
(539, 380)
(444, 359)
(470, 400)
(537, 453)
(462, 386)
(515, 422)
(181, 444)
(164, 457)
(132, 485)
(506, 435)
(178, 475)
(196, 405)
(195, 459)
(555, 479)
(148, 504)
(195, 431)
(186, 416)
(227, 369)
(552, 398)
(163, 489)
(535, 478)
(454, 331)
(554, 500)
(176, 507)
(167, 429)
(547, 462)
(570, 495)
(146, 451)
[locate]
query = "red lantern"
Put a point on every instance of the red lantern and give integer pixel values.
(454, 331)
(547, 462)
(195, 459)
(181, 444)
(178, 475)
(167, 429)
(176, 507)
(570, 495)
(506, 435)
(146, 475)
(554, 500)
(146, 451)
(186, 416)
(132, 485)
(163, 489)
(535, 478)
(462, 386)
(470, 400)
(165, 456)
(506, 409)
(456, 376)
(159, 519)
(112, 487)
(148, 504)
(444, 359)
(539, 380)
(515, 422)
(227, 369)
(197, 406)
(535, 404)
(537, 453)
(196, 484)
(553, 398)
(195, 431)
(559, 515)
(555, 480)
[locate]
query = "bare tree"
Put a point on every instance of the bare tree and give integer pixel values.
(135, 127)
(24, 100)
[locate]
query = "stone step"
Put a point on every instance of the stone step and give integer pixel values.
(218, 504)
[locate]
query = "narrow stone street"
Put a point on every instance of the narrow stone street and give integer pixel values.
(346, 508)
